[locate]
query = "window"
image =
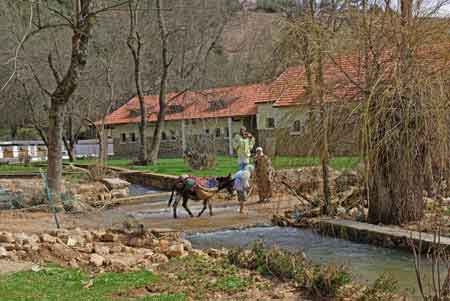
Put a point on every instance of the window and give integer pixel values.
(171, 109)
(194, 121)
(133, 137)
(163, 136)
(207, 131)
(173, 135)
(227, 132)
(218, 132)
(123, 137)
(297, 126)
(270, 123)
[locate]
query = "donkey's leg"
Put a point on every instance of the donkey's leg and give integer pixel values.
(210, 208)
(185, 200)
(175, 205)
(203, 209)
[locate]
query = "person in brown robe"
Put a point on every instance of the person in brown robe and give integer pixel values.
(263, 176)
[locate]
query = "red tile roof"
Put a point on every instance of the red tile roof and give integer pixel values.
(290, 87)
(343, 77)
(234, 101)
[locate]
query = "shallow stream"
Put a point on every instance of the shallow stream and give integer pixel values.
(136, 190)
(367, 262)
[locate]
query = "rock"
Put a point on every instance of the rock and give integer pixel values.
(9, 247)
(88, 236)
(34, 239)
(3, 252)
(109, 237)
(87, 248)
(176, 250)
(187, 244)
(346, 180)
(97, 260)
(116, 249)
(75, 241)
(63, 252)
(120, 193)
(101, 250)
(61, 233)
(115, 183)
(48, 238)
(137, 242)
(6, 237)
(74, 263)
(353, 212)
(198, 253)
(163, 245)
(97, 235)
(159, 258)
(21, 254)
(148, 254)
(22, 238)
(118, 265)
(216, 253)
(340, 211)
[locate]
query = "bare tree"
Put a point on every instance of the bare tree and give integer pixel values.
(135, 45)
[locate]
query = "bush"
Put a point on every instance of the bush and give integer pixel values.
(330, 278)
(323, 281)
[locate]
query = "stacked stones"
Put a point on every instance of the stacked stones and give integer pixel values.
(101, 250)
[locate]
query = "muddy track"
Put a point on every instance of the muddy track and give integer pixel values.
(154, 214)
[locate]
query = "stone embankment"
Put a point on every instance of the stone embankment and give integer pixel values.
(99, 250)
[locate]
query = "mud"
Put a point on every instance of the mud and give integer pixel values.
(154, 214)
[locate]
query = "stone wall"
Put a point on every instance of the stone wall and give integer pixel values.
(130, 150)
(158, 181)
(281, 142)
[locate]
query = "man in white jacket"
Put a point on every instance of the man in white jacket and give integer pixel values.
(242, 184)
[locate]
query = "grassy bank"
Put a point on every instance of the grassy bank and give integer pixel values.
(178, 166)
(226, 165)
(55, 283)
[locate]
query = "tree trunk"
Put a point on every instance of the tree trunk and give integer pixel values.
(55, 135)
(134, 43)
(399, 145)
(64, 90)
(69, 148)
(69, 140)
(103, 146)
(156, 142)
(393, 199)
(13, 131)
(324, 160)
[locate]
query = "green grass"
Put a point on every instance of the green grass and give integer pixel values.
(20, 168)
(60, 284)
(226, 165)
(164, 297)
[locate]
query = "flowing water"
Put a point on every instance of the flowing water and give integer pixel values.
(367, 262)
(136, 190)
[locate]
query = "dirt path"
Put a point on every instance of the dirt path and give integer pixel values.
(153, 215)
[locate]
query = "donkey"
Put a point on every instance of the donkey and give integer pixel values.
(197, 193)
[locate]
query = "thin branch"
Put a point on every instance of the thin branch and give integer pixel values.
(57, 12)
(109, 8)
(38, 81)
(19, 46)
(52, 67)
